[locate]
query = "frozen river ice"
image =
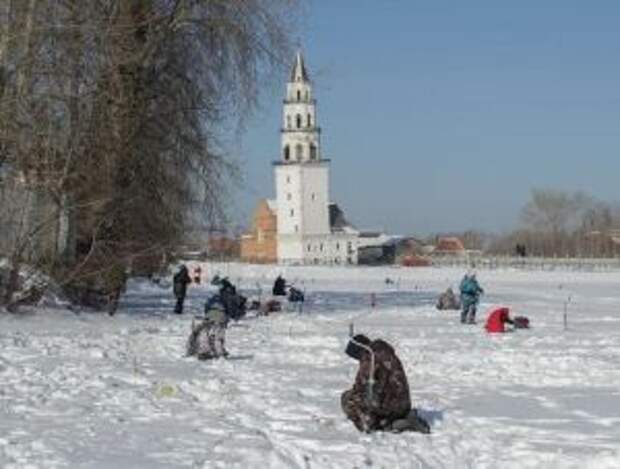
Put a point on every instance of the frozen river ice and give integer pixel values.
(92, 391)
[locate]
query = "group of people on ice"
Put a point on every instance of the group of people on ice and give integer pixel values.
(207, 338)
(470, 293)
(379, 399)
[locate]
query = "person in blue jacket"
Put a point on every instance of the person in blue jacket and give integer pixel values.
(470, 296)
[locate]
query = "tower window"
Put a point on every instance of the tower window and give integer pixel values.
(313, 196)
(298, 119)
(309, 247)
(312, 151)
(298, 95)
(287, 155)
(321, 247)
(288, 122)
(337, 246)
(296, 228)
(292, 212)
(288, 196)
(288, 179)
(299, 151)
(309, 119)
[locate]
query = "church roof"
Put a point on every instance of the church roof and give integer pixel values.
(337, 220)
(299, 72)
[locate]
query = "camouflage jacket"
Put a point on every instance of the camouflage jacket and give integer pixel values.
(390, 391)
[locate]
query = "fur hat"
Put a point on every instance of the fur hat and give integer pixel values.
(354, 350)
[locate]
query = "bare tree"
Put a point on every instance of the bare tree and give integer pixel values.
(113, 110)
(553, 213)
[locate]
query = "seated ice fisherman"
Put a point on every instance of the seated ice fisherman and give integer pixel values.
(448, 300)
(295, 295)
(208, 338)
(497, 320)
(379, 398)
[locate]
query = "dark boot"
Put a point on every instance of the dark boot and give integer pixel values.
(412, 423)
(178, 309)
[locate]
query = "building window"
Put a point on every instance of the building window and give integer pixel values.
(309, 247)
(288, 179)
(312, 151)
(313, 196)
(288, 122)
(287, 153)
(296, 228)
(309, 120)
(292, 212)
(288, 196)
(337, 246)
(298, 95)
(299, 151)
(298, 121)
(321, 247)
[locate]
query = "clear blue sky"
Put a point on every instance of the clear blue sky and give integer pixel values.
(442, 115)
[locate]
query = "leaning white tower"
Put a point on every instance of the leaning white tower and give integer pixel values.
(302, 177)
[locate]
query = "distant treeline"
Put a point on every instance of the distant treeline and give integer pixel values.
(555, 224)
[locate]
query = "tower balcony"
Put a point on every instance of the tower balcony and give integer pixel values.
(307, 130)
(299, 101)
(320, 162)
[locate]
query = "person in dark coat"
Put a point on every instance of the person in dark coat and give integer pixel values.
(379, 397)
(224, 285)
(179, 286)
(279, 287)
(114, 280)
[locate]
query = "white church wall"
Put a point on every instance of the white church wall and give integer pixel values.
(305, 139)
(315, 196)
(298, 91)
(301, 109)
(333, 248)
(288, 193)
(290, 249)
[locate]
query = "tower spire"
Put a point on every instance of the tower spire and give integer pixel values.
(299, 73)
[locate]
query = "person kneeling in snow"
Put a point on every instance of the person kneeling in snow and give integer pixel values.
(497, 320)
(207, 339)
(448, 300)
(379, 399)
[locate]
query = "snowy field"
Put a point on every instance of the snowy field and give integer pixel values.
(86, 390)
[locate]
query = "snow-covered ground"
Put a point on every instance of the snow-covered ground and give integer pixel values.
(92, 391)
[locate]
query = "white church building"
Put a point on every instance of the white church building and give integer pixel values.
(311, 229)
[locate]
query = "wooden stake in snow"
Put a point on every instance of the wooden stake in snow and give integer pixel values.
(566, 303)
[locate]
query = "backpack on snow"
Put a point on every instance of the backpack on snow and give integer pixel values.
(521, 322)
